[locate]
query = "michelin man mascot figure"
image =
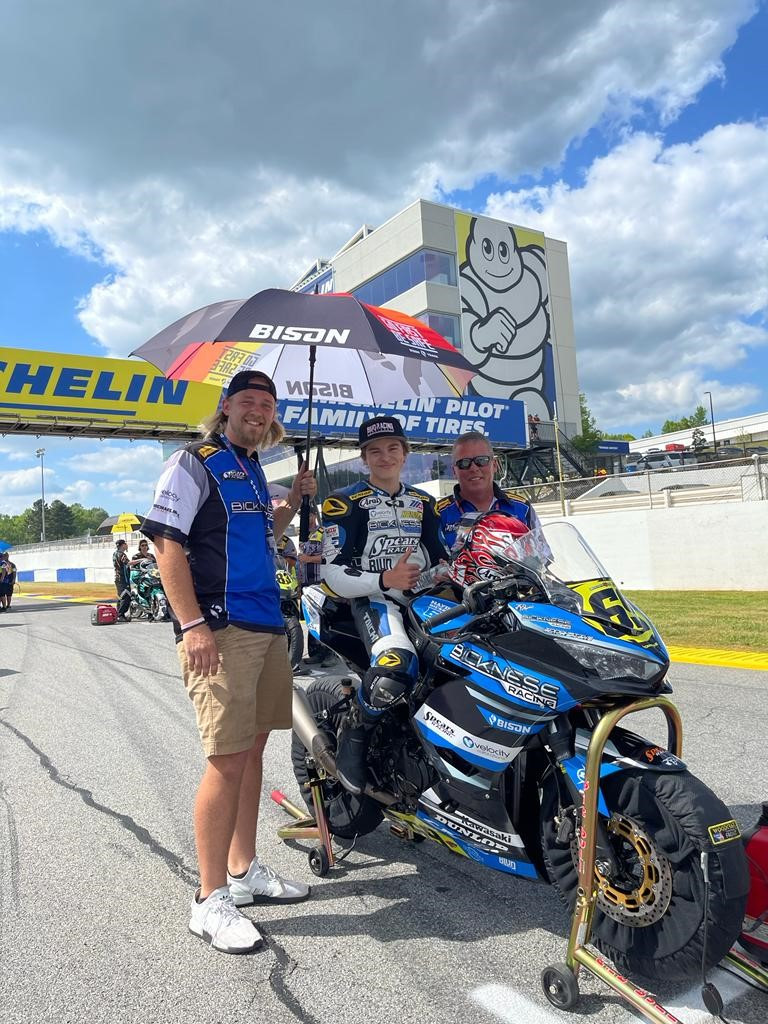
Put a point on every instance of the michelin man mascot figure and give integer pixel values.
(505, 317)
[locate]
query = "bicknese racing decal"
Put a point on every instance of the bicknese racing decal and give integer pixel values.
(522, 687)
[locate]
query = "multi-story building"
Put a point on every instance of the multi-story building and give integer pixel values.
(499, 292)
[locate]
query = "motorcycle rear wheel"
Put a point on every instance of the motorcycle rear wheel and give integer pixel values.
(348, 815)
(295, 640)
(651, 921)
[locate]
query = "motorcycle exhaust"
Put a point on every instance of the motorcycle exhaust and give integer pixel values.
(315, 741)
(318, 745)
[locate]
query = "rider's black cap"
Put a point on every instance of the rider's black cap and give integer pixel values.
(378, 427)
(253, 379)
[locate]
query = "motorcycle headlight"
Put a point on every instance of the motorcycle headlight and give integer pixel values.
(610, 664)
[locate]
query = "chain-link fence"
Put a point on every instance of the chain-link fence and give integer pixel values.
(741, 480)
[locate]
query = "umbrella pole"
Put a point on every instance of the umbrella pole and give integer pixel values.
(305, 502)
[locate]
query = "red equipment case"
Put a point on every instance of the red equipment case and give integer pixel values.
(754, 937)
(104, 615)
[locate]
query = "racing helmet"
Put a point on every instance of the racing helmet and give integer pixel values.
(484, 547)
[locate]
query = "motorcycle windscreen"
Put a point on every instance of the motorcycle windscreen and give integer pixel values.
(575, 580)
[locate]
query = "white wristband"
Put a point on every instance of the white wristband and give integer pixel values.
(184, 626)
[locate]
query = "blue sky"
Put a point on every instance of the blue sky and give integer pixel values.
(133, 190)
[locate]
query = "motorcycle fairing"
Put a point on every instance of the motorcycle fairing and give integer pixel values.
(493, 843)
(312, 601)
(452, 719)
(516, 864)
(427, 608)
(551, 621)
(515, 683)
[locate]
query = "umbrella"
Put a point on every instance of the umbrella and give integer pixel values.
(126, 522)
(364, 354)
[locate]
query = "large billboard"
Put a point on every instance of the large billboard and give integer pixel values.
(505, 312)
(439, 420)
(44, 387)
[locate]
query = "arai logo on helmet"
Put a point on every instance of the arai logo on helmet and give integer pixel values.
(310, 335)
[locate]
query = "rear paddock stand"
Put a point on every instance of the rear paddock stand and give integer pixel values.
(321, 856)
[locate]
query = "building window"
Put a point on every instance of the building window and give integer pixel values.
(424, 265)
(445, 324)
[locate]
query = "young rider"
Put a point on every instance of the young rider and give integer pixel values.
(379, 535)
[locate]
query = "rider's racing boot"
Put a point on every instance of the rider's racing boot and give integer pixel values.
(354, 737)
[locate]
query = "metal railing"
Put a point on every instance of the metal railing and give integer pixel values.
(741, 480)
(85, 540)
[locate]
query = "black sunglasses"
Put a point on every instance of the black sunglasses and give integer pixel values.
(478, 460)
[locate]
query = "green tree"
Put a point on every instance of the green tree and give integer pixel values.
(87, 519)
(619, 437)
(698, 440)
(59, 521)
(12, 529)
(648, 433)
(33, 522)
(697, 419)
(590, 433)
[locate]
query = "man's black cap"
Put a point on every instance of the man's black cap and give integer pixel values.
(253, 379)
(380, 427)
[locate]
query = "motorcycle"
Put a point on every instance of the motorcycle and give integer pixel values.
(290, 607)
(147, 595)
(521, 654)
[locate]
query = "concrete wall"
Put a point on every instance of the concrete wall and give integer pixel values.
(84, 563)
(719, 546)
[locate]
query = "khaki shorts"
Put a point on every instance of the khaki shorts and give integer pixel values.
(251, 693)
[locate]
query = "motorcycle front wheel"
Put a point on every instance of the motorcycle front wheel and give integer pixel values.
(649, 917)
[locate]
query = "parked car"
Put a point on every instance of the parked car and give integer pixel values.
(662, 460)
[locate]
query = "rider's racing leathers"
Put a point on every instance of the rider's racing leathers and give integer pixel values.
(365, 532)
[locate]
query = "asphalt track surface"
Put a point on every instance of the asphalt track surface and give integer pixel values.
(99, 762)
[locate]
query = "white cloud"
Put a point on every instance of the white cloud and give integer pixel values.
(204, 161)
(669, 260)
(23, 481)
(119, 461)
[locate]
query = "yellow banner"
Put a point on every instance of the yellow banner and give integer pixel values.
(43, 385)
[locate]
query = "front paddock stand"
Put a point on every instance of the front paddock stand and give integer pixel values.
(560, 981)
(743, 966)
(321, 856)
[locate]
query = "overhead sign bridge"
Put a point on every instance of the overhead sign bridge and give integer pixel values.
(50, 393)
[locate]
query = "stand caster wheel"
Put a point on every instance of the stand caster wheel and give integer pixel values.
(560, 986)
(318, 861)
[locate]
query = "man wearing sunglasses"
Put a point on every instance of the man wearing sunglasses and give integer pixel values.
(474, 467)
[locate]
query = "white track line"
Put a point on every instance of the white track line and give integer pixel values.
(513, 1008)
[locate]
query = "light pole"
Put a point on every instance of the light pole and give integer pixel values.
(40, 453)
(712, 418)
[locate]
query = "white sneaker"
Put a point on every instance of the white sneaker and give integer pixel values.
(218, 921)
(261, 884)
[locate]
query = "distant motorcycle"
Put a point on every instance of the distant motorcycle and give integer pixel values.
(148, 598)
(291, 611)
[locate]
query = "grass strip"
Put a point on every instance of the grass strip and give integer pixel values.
(729, 619)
